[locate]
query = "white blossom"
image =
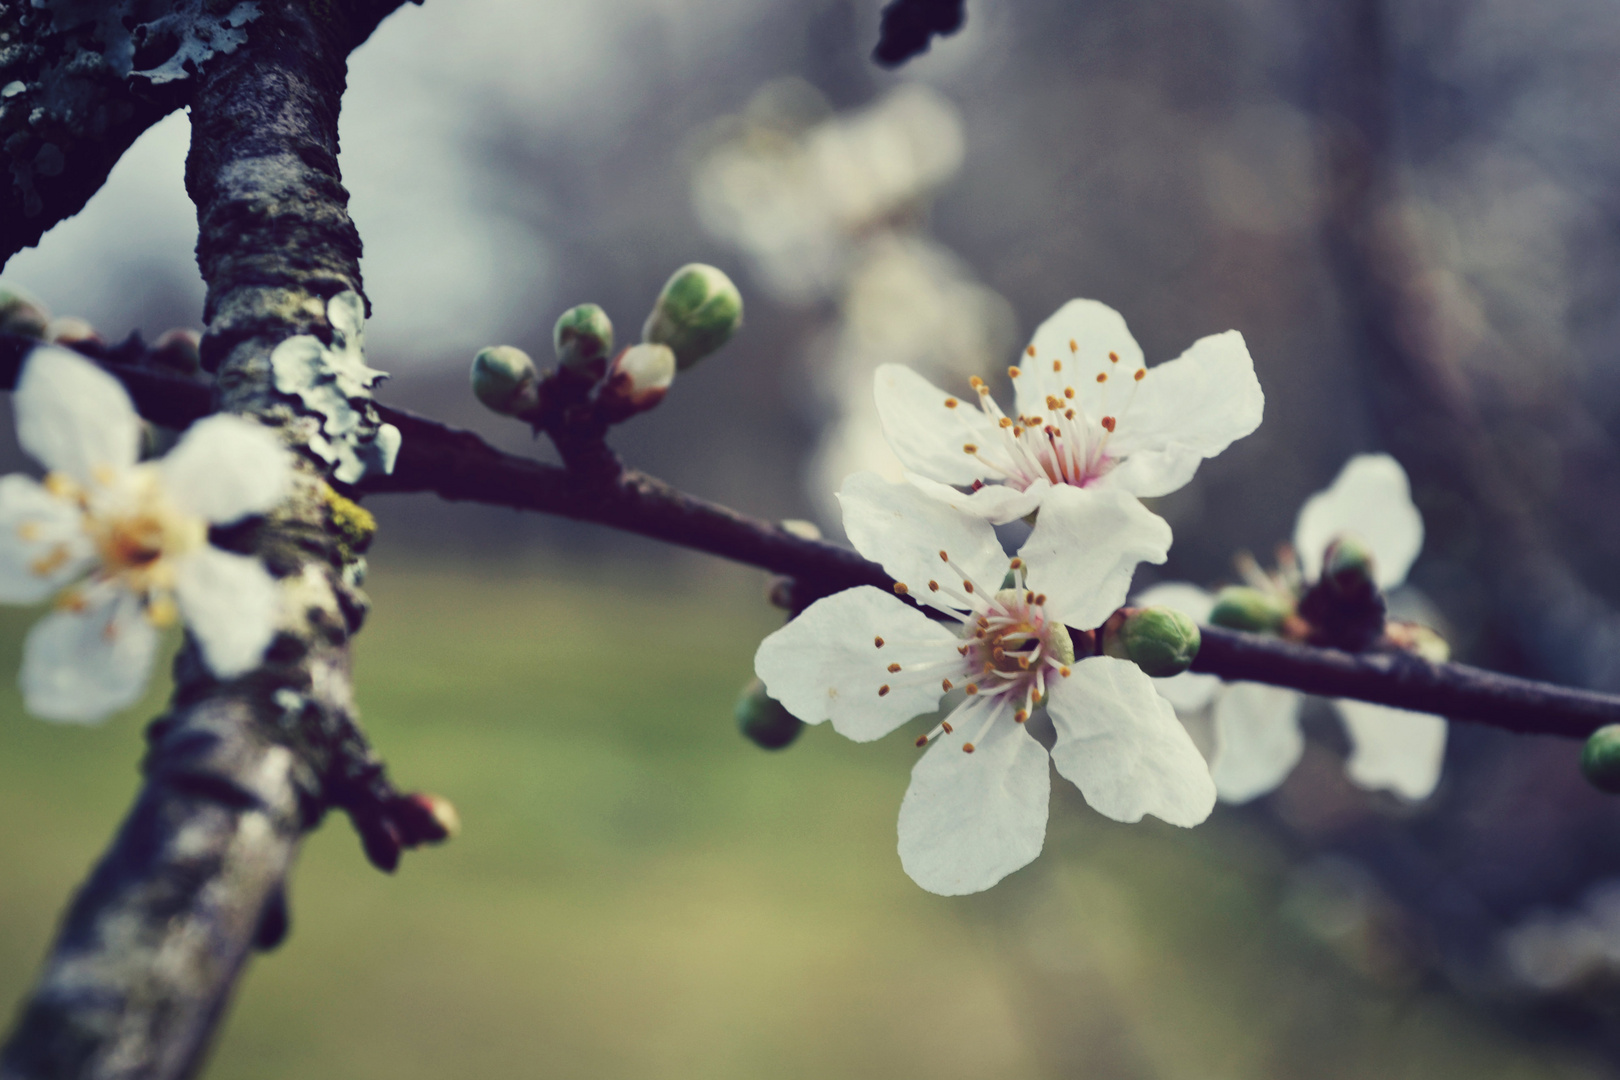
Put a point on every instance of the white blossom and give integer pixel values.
(867, 661)
(1257, 737)
(123, 545)
(1089, 412)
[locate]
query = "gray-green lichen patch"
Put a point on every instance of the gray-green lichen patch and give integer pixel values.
(156, 42)
(334, 382)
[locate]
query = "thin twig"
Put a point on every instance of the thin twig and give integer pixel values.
(457, 464)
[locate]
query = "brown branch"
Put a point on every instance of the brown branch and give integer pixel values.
(459, 465)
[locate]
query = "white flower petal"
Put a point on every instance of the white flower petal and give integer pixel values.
(969, 820)
(230, 604)
(1096, 330)
(225, 468)
(85, 665)
(904, 529)
(1150, 472)
(74, 418)
(1393, 749)
(1190, 600)
(43, 545)
(1371, 498)
(1189, 691)
(1120, 743)
(1085, 547)
(927, 435)
(826, 665)
(1205, 399)
(1257, 739)
(996, 503)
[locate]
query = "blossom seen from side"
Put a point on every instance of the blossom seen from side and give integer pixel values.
(1088, 413)
(122, 544)
(1256, 727)
(867, 661)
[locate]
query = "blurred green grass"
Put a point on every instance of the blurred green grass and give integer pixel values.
(638, 892)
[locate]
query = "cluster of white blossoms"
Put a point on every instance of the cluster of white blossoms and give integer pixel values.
(122, 544)
(1257, 735)
(1094, 430)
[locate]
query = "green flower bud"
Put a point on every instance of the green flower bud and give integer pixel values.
(1600, 759)
(1347, 566)
(697, 312)
(22, 314)
(638, 380)
(584, 337)
(762, 718)
(1239, 607)
(70, 330)
(1159, 640)
(505, 380)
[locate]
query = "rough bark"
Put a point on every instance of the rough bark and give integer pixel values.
(236, 772)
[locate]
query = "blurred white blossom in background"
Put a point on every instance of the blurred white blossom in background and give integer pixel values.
(833, 207)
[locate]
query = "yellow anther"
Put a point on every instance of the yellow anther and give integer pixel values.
(1065, 672)
(944, 684)
(1052, 402)
(933, 586)
(967, 748)
(1068, 391)
(883, 690)
(1030, 350)
(1013, 373)
(1114, 356)
(1006, 421)
(972, 688)
(1141, 373)
(1073, 346)
(944, 557)
(900, 587)
(950, 403)
(877, 642)
(1020, 716)
(893, 668)
(1102, 376)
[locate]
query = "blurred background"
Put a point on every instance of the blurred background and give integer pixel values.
(1408, 210)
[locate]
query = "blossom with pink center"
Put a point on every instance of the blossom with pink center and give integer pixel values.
(1089, 413)
(867, 661)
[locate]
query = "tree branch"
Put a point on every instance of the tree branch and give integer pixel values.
(458, 465)
(236, 772)
(86, 80)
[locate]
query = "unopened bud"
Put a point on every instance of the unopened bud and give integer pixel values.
(1600, 759)
(697, 312)
(178, 350)
(584, 339)
(71, 330)
(638, 380)
(763, 720)
(1347, 566)
(1239, 607)
(22, 314)
(505, 380)
(1159, 640)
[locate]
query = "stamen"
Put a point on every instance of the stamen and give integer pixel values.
(946, 726)
(1141, 373)
(969, 448)
(877, 643)
(1030, 350)
(1068, 414)
(1065, 671)
(1109, 423)
(900, 587)
(1057, 365)
(968, 585)
(1053, 403)
(1102, 376)
(1006, 421)
(933, 586)
(883, 690)
(1013, 372)
(922, 740)
(944, 684)
(1068, 391)
(950, 403)
(972, 688)
(1114, 356)
(1040, 599)
(943, 557)
(1073, 346)
(1020, 716)
(1016, 563)
(893, 668)
(967, 748)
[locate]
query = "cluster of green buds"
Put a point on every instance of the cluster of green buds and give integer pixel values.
(1159, 640)
(697, 311)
